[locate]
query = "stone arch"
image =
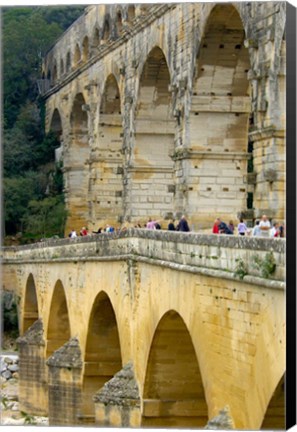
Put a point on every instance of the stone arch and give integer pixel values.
(119, 23)
(173, 394)
(56, 123)
(131, 13)
(106, 31)
(219, 120)
(68, 62)
(103, 351)
(95, 40)
(31, 313)
(154, 135)
(274, 418)
(85, 49)
(55, 73)
(75, 161)
(107, 159)
(77, 55)
(58, 329)
(61, 67)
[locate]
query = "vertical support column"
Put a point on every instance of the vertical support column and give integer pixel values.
(65, 371)
(117, 404)
(32, 372)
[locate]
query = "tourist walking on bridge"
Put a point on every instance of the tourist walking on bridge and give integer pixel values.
(264, 227)
(242, 228)
(183, 225)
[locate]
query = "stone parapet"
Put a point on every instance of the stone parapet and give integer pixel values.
(204, 253)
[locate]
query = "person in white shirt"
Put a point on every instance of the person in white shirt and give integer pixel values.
(256, 230)
(274, 232)
(73, 234)
(264, 227)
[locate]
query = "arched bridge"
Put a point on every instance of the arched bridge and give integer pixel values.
(151, 328)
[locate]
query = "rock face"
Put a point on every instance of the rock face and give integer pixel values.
(9, 367)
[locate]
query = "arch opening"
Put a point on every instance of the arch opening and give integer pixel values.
(173, 393)
(131, 13)
(107, 158)
(103, 353)
(30, 304)
(219, 118)
(77, 55)
(75, 160)
(274, 418)
(154, 136)
(85, 49)
(68, 62)
(119, 23)
(55, 73)
(106, 32)
(58, 330)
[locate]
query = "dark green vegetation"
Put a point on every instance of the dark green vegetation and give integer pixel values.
(33, 202)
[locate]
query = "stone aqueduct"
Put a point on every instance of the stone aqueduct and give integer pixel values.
(170, 108)
(150, 328)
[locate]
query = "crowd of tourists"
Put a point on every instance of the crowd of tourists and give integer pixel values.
(262, 228)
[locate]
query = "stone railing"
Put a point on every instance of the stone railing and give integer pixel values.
(252, 259)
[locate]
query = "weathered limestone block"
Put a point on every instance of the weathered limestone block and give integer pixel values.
(117, 404)
(65, 366)
(32, 371)
(223, 421)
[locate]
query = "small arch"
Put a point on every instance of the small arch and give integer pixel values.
(119, 23)
(49, 75)
(96, 38)
(79, 117)
(85, 49)
(77, 55)
(55, 73)
(103, 352)
(131, 13)
(106, 31)
(62, 71)
(58, 329)
(68, 62)
(31, 313)
(173, 387)
(56, 124)
(274, 418)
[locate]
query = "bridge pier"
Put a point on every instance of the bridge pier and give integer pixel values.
(64, 386)
(117, 404)
(33, 395)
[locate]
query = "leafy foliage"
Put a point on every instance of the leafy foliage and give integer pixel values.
(265, 266)
(33, 183)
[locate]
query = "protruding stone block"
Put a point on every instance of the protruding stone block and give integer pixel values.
(65, 367)
(117, 404)
(33, 388)
(223, 421)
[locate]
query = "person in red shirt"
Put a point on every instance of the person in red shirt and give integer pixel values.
(83, 231)
(215, 228)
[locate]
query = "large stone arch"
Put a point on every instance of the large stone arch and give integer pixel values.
(152, 165)
(106, 169)
(102, 357)
(275, 414)
(219, 121)
(30, 309)
(173, 394)
(58, 327)
(76, 164)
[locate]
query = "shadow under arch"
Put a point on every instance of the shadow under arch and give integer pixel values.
(275, 418)
(75, 158)
(103, 352)
(154, 134)
(173, 393)
(107, 158)
(58, 329)
(219, 115)
(31, 313)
